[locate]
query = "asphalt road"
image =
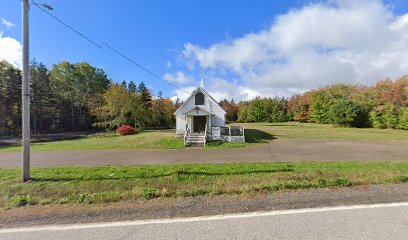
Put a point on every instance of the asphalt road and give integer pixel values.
(379, 221)
(279, 150)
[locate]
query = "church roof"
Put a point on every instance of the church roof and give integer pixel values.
(201, 89)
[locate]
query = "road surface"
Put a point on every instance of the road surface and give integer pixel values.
(377, 221)
(279, 150)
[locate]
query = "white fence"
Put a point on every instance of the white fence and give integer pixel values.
(228, 134)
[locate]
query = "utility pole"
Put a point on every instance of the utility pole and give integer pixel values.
(26, 93)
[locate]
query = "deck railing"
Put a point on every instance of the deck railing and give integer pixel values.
(186, 134)
(230, 133)
(205, 134)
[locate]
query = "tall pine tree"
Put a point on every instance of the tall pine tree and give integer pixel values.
(132, 87)
(146, 95)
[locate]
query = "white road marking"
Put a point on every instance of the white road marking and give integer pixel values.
(198, 219)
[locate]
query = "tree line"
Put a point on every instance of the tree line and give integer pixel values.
(78, 97)
(383, 105)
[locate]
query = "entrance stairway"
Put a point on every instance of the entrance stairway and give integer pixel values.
(195, 139)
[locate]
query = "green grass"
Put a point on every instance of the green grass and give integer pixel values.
(264, 132)
(160, 139)
(89, 185)
(327, 131)
(255, 133)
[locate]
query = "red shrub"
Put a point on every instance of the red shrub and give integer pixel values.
(125, 130)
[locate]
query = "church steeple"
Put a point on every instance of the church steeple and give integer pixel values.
(202, 83)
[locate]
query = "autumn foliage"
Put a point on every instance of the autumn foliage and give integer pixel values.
(125, 130)
(383, 105)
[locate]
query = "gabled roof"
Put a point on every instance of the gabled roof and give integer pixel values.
(199, 107)
(194, 93)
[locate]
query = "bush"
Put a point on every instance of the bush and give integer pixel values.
(84, 198)
(149, 193)
(268, 110)
(126, 130)
(320, 106)
(344, 112)
(385, 116)
(20, 201)
(403, 118)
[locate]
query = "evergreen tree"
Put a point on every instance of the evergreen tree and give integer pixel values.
(43, 101)
(10, 99)
(146, 95)
(132, 87)
(124, 84)
(75, 85)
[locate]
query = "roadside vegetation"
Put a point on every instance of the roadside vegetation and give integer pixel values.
(90, 185)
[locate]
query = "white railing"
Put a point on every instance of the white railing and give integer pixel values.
(205, 134)
(186, 134)
(230, 133)
(243, 132)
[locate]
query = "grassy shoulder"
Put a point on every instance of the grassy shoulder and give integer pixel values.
(88, 185)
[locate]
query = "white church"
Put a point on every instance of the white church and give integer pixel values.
(200, 119)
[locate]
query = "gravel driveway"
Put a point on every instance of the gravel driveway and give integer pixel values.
(279, 150)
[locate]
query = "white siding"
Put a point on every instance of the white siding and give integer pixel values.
(180, 124)
(218, 119)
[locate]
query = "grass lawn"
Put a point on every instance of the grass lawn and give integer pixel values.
(327, 131)
(87, 185)
(161, 139)
(255, 133)
(264, 132)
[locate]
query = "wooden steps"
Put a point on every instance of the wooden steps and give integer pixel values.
(195, 139)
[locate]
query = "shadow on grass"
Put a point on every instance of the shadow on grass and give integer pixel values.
(179, 173)
(252, 136)
(5, 145)
(282, 125)
(258, 136)
(56, 139)
(40, 139)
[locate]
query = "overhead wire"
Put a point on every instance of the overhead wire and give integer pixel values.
(41, 7)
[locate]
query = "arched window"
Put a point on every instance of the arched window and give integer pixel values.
(199, 98)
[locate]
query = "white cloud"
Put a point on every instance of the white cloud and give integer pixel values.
(181, 95)
(7, 23)
(10, 50)
(319, 44)
(178, 77)
(168, 64)
(219, 89)
(222, 89)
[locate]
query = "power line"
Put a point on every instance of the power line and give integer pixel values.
(145, 69)
(41, 7)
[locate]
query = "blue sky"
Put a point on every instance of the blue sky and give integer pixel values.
(228, 43)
